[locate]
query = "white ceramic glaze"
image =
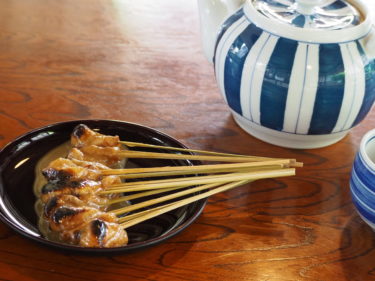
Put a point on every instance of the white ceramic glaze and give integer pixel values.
(367, 151)
(307, 6)
(212, 14)
(312, 35)
(293, 84)
(286, 139)
(362, 181)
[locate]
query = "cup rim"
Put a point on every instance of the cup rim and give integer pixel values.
(367, 138)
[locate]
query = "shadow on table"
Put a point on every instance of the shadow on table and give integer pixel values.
(358, 250)
(21, 259)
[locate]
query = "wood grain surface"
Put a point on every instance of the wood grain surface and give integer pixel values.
(141, 61)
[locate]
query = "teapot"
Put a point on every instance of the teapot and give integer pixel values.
(294, 73)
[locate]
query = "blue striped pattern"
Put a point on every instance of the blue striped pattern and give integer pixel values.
(339, 4)
(362, 181)
(369, 85)
(275, 3)
(362, 190)
(326, 105)
(299, 21)
(228, 22)
(275, 84)
(330, 90)
(363, 209)
(361, 171)
(234, 65)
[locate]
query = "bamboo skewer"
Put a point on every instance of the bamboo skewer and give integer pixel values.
(190, 172)
(167, 194)
(164, 198)
(275, 164)
(140, 195)
(208, 155)
(263, 173)
(142, 213)
(147, 185)
(157, 155)
(245, 169)
(158, 182)
(197, 168)
(138, 144)
(180, 203)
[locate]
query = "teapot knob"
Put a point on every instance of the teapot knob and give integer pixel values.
(306, 7)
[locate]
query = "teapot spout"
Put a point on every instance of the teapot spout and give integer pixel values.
(212, 14)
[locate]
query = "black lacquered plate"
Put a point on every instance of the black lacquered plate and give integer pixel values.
(17, 164)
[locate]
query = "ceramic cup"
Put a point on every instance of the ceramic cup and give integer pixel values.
(362, 182)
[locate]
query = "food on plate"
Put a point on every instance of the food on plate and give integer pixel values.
(83, 199)
(70, 207)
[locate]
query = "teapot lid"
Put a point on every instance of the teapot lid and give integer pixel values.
(312, 14)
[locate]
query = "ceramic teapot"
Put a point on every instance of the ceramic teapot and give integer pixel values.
(295, 73)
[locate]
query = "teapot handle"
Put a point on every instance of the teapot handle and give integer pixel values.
(212, 13)
(369, 43)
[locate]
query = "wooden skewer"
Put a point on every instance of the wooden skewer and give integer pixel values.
(180, 180)
(140, 195)
(189, 179)
(190, 172)
(138, 144)
(147, 185)
(180, 203)
(157, 155)
(142, 213)
(162, 190)
(163, 199)
(158, 191)
(195, 169)
(246, 169)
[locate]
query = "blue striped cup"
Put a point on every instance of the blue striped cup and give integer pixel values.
(291, 85)
(362, 181)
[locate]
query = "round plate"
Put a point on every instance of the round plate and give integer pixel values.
(18, 160)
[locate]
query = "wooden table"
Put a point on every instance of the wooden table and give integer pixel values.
(141, 61)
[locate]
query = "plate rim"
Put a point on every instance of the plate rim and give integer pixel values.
(4, 218)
